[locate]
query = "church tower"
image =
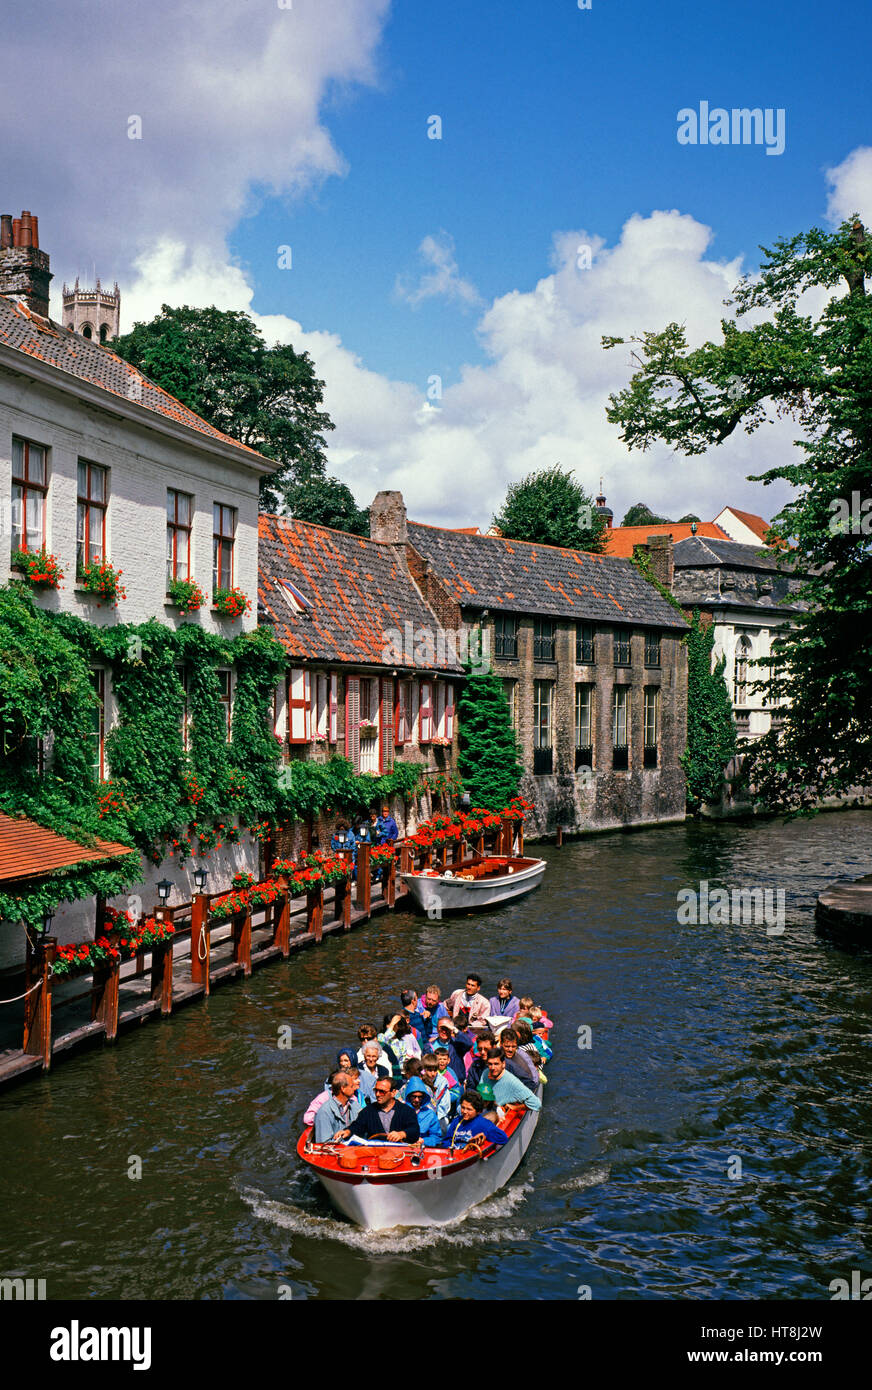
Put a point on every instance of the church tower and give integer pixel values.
(94, 313)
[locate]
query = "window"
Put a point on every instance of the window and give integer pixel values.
(104, 332)
(182, 673)
(425, 732)
(29, 489)
(225, 690)
(299, 706)
(505, 636)
(652, 648)
(740, 671)
(584, 653)
(369, 725)
(583, 726)
(543, 639)
(543, 726)
(87, 331)
(91, 515)
(403, 719)
(320, 707)
(98, 727)
(179, 510)
(622, 646)
(621, 728)
(652, 725)
(223, 534)
(511, 689)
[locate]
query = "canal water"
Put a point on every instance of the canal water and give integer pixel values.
(713, 1141)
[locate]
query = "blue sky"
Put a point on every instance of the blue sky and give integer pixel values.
(553, 117)
(264, 127)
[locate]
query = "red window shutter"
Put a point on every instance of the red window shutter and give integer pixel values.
(352, 719)
(449, 711)
(299, 701)
(426, 712)
(386, 725)
(334, 707)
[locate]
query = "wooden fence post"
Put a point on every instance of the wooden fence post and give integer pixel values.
(406, 866)
(520, 837)
(315, 911)
(559, 836)
(282, 933)
(37, 1006)
(389, 883)
(364, 881)
(162, 976)
(342, 902)
(200, 942)
(240, 930)
(507, 837)
(104, 996)
(479, 843)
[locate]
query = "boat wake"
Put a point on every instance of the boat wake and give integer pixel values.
(600, 1172)
(470, 1229)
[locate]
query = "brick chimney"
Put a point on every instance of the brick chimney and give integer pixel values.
(660, 550)
(24, 268)
(387, 518)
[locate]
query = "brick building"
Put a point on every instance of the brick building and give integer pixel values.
(591, 658)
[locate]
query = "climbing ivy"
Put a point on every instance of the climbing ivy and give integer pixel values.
(711, 733)
(489, 755)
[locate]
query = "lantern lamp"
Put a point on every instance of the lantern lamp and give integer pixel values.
(164, 888)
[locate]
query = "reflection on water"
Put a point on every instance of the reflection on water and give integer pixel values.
(713, 1141)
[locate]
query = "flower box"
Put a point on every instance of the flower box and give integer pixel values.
(232, 603)
(102, 581)
(39, 568)
(185, 595)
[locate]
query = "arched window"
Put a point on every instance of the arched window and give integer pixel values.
(87, 331)
(104, 332)
(740, 671)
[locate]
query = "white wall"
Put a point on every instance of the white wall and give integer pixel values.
(142, 465)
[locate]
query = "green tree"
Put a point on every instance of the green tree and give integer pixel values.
(689, 516)
(640, 515)
(711, 733)
(549, 507)
(489, 760)
(217, 362)
(817, 369)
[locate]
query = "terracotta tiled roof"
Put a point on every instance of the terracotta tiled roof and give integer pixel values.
(30, 333)
(519, 577)
(29, 851)
(359, 590)
(621, 539)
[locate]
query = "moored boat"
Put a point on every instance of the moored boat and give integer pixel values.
(485, 882)
(383, 1185)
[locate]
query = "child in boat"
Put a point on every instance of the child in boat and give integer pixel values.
(470, 1122)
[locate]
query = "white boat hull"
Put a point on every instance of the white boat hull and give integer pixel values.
(435, 894)
(432, 1195)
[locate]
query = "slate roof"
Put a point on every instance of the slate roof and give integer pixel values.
(27, 850)
(698, 553)
(37, 337)
(359, 591)
(621, 539)
(519, 577)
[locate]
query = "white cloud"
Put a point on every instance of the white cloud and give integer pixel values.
(851, 187)
(441, 279)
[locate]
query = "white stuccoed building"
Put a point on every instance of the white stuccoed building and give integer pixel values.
(99, 463)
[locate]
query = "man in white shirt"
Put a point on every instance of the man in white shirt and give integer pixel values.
(471, 999)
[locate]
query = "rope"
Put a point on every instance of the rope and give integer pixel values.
(22, 996)
(201, 945)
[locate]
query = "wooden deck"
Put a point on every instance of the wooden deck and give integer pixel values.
(844, 911)
(64, 1014)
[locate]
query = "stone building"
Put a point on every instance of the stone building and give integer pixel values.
(591, 658)
(92, 313)
(748, 596)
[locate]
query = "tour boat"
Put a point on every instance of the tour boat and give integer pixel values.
(383, 1185)
(483, 883)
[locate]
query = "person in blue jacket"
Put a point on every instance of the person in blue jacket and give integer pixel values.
(470, 1122)
(388, 830)
(429, 1124)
